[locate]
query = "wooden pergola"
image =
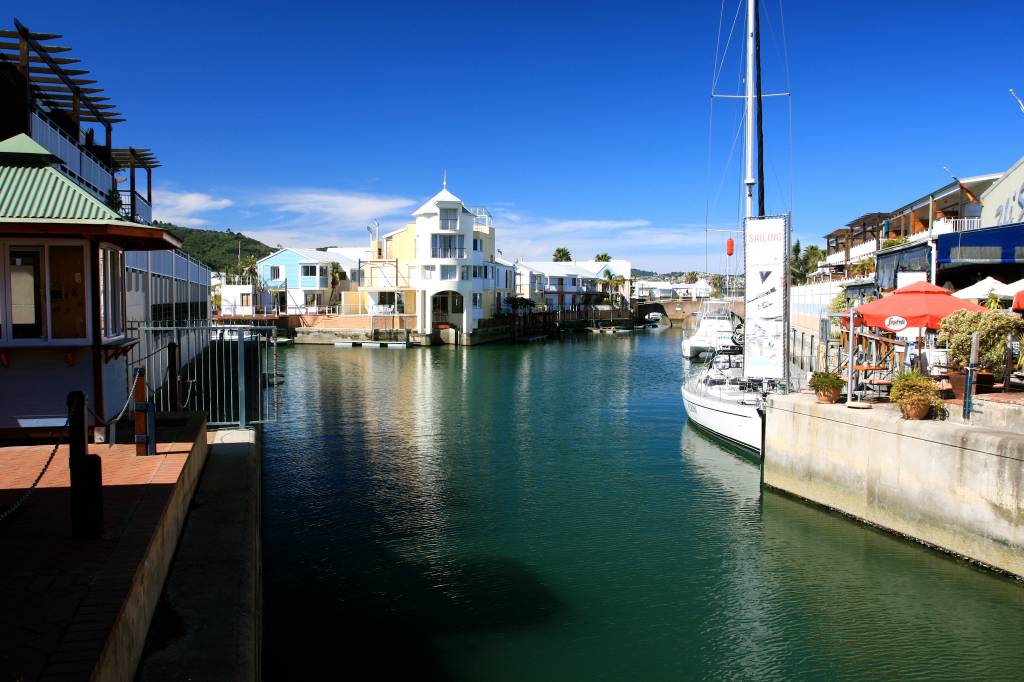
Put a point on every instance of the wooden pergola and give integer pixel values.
(130, 159)
(51, 82)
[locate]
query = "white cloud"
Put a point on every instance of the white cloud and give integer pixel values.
(183, 208)
(314, 208)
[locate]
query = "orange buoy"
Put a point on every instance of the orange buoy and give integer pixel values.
(729, 246)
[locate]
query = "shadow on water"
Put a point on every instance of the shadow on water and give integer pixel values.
(385, 620)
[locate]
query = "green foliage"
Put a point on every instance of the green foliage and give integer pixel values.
(217, 249)
(826, 381)
(603, 258)
(114, 201)
(912, 389)
(993, 327)
(717, 283)
(893, 241)
(862, 268)
(838, 303)
(992, 301)
(802, 262)
(561, 255)
(519, 302)
(690, 277)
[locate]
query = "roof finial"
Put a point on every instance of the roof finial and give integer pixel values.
(444, 180)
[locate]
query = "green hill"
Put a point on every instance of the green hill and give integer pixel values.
(218, 249)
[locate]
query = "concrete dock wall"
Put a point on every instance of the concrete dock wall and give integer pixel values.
(959, 488)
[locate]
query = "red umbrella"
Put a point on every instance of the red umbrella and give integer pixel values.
(1018, 301)
(917, 305)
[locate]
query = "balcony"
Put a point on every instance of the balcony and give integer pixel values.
(449, 252)
(946, 225)
(856, 253)
(383, 274)
(143, 211)
(83, 167)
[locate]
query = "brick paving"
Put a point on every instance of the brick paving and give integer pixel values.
(61, 596)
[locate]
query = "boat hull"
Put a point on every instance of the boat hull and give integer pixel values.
(736, 422)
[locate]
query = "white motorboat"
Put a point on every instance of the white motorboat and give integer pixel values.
(718, 399)
(714, 332)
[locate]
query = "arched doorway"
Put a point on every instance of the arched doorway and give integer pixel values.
(447, 308)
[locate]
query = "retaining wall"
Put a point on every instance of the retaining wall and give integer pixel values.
(959, 488)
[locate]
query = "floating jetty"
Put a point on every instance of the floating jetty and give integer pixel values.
(371, 344)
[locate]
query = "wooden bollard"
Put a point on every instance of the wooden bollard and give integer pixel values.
(86, 474)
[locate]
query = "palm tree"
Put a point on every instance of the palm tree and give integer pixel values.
(690, 277)
(603, 258)
(561, 255)
(248, 270)
(337, 277)
(612, 283)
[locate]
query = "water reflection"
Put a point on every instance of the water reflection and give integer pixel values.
(542, 512)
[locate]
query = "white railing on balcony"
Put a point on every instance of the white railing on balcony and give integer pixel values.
(84, 168)
(856, 253)
(945, 225)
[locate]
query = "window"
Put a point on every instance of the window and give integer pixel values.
(28, 293)
(275, 272)
(466, 272)
(449, 219)
(429, 272)
(309, 271)
(67, 292)
(323, 270)
(477, 299)
(478, 244)
(449, 272)
(111, 292)
(245, 300)
(447, 246)
(313, 299)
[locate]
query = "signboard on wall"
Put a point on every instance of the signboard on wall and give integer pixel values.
(766, 251)
(1003, 202)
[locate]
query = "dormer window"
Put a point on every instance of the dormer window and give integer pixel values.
(449, 219)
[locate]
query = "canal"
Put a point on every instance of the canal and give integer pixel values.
(543, 512)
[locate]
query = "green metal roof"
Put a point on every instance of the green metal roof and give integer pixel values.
(30, 189)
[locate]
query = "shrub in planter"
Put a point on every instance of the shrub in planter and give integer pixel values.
(956, 328)
(827, 386)
(916, 395)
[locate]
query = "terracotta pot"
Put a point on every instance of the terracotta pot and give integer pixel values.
(829, 396)
(915, 410)
(983, 382)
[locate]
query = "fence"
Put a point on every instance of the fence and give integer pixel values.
(230, 373)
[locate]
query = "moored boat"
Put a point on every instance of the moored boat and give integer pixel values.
(718, 399)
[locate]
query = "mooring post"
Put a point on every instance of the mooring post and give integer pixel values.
(972, 365)
(172, 374)
(86, 474)
(140, 409)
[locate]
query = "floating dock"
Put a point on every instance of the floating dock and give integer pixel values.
(371, 344)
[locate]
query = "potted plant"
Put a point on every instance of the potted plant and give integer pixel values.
(827, 386)
(916, 394)
(993, 327)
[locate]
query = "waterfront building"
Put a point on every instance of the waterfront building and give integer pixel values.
(290, 281)
(573, 285)
(63, 322)
(440, 271)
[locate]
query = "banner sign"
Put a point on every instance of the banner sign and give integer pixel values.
(766, 251)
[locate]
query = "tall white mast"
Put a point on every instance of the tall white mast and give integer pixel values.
(748, 147)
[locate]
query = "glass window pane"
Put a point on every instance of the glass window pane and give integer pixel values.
(28, 320)
(67, 291)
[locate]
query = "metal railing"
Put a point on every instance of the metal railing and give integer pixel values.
(82, 164)
(143, 211)
(228, 372)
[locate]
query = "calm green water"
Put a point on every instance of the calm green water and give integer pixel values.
(544, 513)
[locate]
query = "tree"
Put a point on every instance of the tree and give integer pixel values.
(796, 270)
(337, 277)
(247, 270)
(561, 255)
(717, 285)
(812, 255)
(690, 277)
(518, 303)
(603, 258)
(612, 283)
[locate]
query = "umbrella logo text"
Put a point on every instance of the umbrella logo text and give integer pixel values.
(895, 323)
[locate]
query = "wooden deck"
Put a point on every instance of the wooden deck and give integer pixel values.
(75, 609)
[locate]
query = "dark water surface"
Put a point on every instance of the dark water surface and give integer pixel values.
(544, 513)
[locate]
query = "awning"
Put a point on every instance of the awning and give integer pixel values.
(990, 245)
(979, 290)
(1010, 290)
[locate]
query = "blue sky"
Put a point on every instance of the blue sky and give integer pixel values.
(580, 125)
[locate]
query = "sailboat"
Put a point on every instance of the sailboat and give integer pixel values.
(720, 397)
